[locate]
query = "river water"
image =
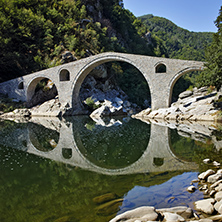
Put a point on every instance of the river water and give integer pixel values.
(80, 170)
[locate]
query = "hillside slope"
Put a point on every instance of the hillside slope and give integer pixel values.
(179, 43)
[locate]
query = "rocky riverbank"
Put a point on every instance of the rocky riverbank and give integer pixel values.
(192, 105)
(207, 210)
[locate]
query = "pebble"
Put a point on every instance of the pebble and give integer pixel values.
(205, 175)
(191, 188)
(206, 161)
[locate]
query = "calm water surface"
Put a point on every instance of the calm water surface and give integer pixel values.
(81, 170)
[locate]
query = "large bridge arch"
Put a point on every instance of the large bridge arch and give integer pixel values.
(81, 75)
(31, 86)
(178, 76)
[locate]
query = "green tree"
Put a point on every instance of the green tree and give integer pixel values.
(212, 75)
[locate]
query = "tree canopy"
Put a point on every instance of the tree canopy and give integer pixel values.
(212, 75)
(34, 34)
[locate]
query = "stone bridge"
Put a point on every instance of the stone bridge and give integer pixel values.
(158, 148)
(160, 73)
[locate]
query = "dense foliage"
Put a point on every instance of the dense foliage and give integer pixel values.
(213, 72)
(34, 34)
(179, 43)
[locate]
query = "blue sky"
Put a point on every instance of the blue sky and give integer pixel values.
(194, 15)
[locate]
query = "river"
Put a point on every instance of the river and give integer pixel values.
(77, 169)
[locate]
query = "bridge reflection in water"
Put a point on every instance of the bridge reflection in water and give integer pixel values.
(119, 147)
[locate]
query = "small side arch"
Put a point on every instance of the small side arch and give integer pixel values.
(160, 68)
(64, 75)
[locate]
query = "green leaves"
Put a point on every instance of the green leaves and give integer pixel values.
(212, 75)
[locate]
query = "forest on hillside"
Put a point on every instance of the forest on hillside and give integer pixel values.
(179, 43)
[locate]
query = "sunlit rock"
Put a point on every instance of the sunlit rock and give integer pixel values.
(215, 177)
(148, 213)
(172, 217)
(205, 205)
(205, 175)
(191, 189)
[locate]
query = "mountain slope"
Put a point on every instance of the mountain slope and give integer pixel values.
(179, 43)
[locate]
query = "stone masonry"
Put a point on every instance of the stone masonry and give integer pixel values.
(69, 77)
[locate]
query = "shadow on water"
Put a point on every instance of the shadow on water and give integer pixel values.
(80, 170)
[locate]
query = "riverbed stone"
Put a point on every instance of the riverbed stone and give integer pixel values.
(205, 220)
(183, 211)
(207, 160)
(206, 174)
(218, 206)
(216, 218)
(205, 205)
(215, 177)
(218, 196)
(172, 217)
(147, 212)
(215, 163)
(191, 188)
(214, 185)
(219, 187)
(212, 193)
(185, 94)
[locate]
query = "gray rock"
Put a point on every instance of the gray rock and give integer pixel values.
(215, 163)
(185, 94)
(216, 218)
(172, 217)
(207, 160)
(101, 111)
(218, 206)
(212, 193)
(218, 196)
(108, 110)
(183, 211)
(17, 113)
(219, 187)
(148, 213)
(205, 205)
(191, 188)
(43, 95)
(206, 174)
(205, 220)
(215, 177)
(215, 184)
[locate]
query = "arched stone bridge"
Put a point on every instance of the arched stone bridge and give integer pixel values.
(160, 73)
(158, 148)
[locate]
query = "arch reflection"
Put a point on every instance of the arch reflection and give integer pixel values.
(42, 138)
(113, 145)
(99, 147)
